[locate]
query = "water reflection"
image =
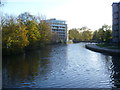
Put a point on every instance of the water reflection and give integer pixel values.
(116, 71)
(112, 65)
(23, 69)
(62, 66)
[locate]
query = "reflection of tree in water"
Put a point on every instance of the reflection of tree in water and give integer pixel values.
(23, 68)
(116, 71)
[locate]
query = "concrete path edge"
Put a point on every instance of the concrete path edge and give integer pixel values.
(96, 48)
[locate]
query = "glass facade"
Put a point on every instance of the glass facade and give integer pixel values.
(116, 22)
(60, 27)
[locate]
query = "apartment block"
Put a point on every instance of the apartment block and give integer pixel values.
(59, 27)
(116, 22)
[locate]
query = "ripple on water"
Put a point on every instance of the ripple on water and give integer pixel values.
(62, 66)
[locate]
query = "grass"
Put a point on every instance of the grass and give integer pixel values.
(102, 45)
(108, 46)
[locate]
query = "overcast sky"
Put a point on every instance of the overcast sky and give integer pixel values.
(76, 13)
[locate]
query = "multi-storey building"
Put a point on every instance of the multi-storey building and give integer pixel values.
(116, 22)
(59, 27)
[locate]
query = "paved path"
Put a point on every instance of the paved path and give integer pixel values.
(103, 49)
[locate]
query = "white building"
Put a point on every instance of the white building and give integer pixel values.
(60, 27)
(116, 22)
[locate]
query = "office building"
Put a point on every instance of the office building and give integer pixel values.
(116, 22)
(59, 27)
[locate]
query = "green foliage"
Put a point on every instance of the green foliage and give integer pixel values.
(103, 34)
(73, 34)
(102, 45)
(87, 35)
(108, 36)
(95, 35)
(84, 34)
(111, 46)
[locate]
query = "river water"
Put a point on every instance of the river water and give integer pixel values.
(61, 66)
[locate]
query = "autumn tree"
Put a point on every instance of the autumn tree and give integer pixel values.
(14, 37)
(45, 32)
(33, 33)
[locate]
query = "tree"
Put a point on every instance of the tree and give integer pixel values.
(108, 35)
(25, 17)
(95, 36)
(24, 32)
(14, 36)
(84, 28)
(87, 35)
(104, 34)
(74, 34)
(83, 34)
(45, 32)
(101, 35)
(33, 33)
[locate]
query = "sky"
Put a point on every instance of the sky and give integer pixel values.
(76, 13)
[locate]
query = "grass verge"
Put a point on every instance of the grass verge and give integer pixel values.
(109, 46)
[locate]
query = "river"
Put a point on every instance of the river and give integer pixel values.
(61, 66)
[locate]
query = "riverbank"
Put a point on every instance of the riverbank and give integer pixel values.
(96, 48)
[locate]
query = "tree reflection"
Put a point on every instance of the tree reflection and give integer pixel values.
(24, 68)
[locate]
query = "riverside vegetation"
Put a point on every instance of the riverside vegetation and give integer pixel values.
(24, 32)
(103, 34)
(27, 31)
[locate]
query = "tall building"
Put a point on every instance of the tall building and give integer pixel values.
(116, 22)
(59, 27)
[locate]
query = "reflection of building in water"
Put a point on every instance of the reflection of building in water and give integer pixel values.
(59, 27)
(116, 71)
(116, 22)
